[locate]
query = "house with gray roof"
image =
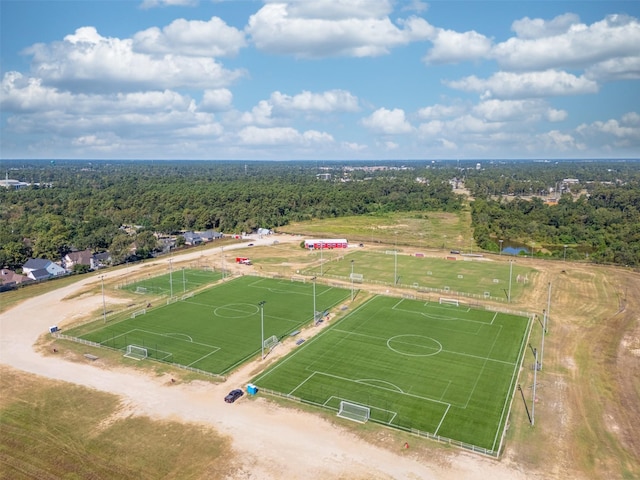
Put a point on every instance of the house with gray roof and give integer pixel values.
(41, 269)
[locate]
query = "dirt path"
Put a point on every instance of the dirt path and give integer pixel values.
(272, 442)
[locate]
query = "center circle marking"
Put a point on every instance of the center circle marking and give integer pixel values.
(236, 310)
(414, 345)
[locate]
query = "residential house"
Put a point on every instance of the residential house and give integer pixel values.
(101, 260)
(83, 257)
(10, 279)
(42, 269)
(192, 238)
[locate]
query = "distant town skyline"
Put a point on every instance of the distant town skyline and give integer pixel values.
(319, 80)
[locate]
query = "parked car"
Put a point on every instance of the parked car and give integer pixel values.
(250, 245)
(233, 395)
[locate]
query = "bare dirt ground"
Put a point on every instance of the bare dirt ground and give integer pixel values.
(586, 410)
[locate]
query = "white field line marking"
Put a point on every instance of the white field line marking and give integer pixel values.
(203, 357)
(442, 419)
(482, 370)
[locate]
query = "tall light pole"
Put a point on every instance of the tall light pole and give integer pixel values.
(395, 262)
(535, 378)
(222, 252)
(171, 278)
(501, 246)
(184, 282)
(104, 305)
(564, 258)
(321, 245)
(546, 323)
(510, 276)
(352, 280)
(262, 324)
(314, 299)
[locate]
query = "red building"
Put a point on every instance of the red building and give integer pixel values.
(326, 243)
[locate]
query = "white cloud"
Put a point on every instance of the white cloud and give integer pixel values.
(517, 110)
(22, 94)
(624, 68)
(453, 47)
(332, 28)
(146, 4)
(432, 128)
(389, 122)
(281, 136)
(530, 28)
(216, 100)
(440, 111)
(579, 46)
(213, 38)
(88, 61)
(353, 146)
(554, 115)
(556, 141)
(328, 101)
(526, 85)
(259, 115)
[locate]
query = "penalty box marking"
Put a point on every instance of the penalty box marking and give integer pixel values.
(168, 335)
(361, 382)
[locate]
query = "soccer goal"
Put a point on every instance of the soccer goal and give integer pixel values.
(141, 290)
(298, 278)
(137, 313)
(354, 412)
(271, 342)
(356, 277)
(449, 301)
(136, 352)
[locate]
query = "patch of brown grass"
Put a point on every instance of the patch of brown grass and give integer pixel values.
(49, 429)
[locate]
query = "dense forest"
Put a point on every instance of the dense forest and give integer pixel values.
(78, 204)
(597, 217)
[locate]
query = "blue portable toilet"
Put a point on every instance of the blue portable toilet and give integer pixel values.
(252, 389)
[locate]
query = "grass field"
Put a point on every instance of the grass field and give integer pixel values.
(480, 278)
(440, 369)
(177, 282)
(218, 328)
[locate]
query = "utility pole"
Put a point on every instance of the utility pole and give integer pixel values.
(104, 305)
(314, 300)
(262, 324)
(510, 276)
(352, 280)
(171, 278)
(535, 375)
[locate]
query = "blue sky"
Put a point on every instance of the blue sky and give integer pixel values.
(319, 79)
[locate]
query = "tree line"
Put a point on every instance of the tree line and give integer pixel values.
(75, 205)
(87, 203)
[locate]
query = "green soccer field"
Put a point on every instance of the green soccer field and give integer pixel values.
(439, 369)
(466, 276)
(177, 282)
(218, 328)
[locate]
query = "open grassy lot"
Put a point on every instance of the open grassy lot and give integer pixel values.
(418, 229)
(178, 282)
(440, 369)
(53, 430)
(218, 328)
